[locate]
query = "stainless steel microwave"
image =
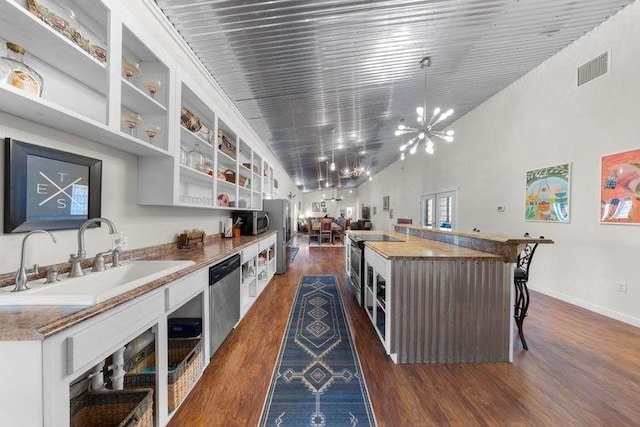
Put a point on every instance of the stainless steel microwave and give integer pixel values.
(251, 223)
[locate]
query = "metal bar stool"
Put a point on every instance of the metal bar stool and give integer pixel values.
(520, 279)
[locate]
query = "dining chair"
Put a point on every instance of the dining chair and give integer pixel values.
(313, 234)
(338, 235)
(325, 231)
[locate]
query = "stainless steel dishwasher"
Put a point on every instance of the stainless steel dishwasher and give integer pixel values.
(224, 300)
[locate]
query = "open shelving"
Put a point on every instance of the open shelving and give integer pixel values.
(256, 182)
(136, 98)
(76, 96)
(86, 93)
(377, 298)
(186, 348)
(263, 268)
(195, 186)
(272, 259)
(267, 185)
(249, 278)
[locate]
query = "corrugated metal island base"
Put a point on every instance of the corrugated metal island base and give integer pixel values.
(439, 302)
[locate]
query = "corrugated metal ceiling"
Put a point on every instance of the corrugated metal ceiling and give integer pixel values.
(297, 69)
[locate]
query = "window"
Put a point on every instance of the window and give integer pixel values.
(426, 210)
(438, 209)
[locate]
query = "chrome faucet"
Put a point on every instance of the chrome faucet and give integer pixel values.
(98, 260)
(76, 259)
(22, 275)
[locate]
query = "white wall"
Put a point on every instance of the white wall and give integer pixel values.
(144, 225)
(542, 120)
(349, 200)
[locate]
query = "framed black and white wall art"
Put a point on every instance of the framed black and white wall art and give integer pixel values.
(48, 189)
(385, 203)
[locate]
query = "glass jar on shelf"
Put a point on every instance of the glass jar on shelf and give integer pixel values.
(208, 169)
(184, 156)
(196, 158)
(14, 72)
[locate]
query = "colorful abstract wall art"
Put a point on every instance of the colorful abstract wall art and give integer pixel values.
(620, 188)
(548, 194)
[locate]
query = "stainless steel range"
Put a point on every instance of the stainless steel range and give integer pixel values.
(357, 259)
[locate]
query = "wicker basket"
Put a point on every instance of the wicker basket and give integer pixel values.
(225, 145)
(131, 408)
(184, 354)
(230, 176)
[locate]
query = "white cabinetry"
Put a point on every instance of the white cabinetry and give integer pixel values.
(71, 354)
(248, 289)
(266, 261)
(231, 174)
(95, 99)
(377, 296)
(78, 96)
(38, 376)
(271, 256)
(152, 109)
(258, 268)
(268, 188)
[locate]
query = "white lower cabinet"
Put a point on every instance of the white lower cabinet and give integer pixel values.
(258, 267)
(69, 356)
(41, 376)
(378, 297)
(266, 261)
(249, 279)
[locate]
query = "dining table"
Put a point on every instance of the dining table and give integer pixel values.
(335, 228)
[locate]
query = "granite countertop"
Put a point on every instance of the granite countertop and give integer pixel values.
(498, 238)
(419, 248)
(507, 247)
(27, 323)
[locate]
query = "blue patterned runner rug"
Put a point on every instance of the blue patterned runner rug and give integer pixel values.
(294, 252)
(317, 380)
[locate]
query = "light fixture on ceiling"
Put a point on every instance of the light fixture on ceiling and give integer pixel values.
(425, 131)
(327, 167)
(356, 171)
(334, 196)
(333, 145)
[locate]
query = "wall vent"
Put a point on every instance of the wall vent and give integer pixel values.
(594, 68)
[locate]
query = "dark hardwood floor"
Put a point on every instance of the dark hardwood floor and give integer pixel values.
(581, 369)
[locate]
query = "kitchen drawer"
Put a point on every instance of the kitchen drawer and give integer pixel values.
(250, 252)
(105, 334)
(266, 243)
(377, 261)
(186, 288)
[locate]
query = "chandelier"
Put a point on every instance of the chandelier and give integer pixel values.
(356, 171)
(425, 131)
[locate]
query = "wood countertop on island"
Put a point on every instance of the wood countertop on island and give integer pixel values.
(426, 243)
(419, 248)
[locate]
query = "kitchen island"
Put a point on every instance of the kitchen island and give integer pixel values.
(436, 302)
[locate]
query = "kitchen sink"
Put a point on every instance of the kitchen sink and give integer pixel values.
(92, 288)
